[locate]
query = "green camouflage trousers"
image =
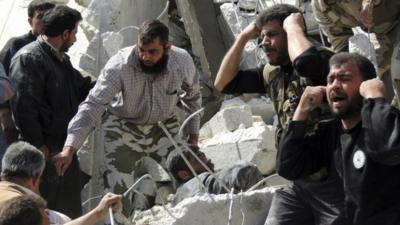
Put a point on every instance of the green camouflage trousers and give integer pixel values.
(125, 143)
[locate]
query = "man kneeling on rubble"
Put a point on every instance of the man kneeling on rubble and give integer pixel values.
(241, 176)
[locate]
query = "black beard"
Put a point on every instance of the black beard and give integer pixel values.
(157, 68)
(351, 110)
(65, 47)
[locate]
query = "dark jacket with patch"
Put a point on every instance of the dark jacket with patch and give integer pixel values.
(367, 158)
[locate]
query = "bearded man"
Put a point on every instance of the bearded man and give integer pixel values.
(48, 93)
(361, 143)
(139, 86)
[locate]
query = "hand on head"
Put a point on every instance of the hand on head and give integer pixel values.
(373, 88)
(251, 31)
(294, 21)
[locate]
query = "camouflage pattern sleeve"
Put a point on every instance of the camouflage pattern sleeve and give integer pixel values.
(330, 23)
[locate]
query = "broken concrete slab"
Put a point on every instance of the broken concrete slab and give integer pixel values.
(254, 144)
(200, 210)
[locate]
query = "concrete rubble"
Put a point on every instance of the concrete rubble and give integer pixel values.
(240, 130)
(236, 133)
(201, 210)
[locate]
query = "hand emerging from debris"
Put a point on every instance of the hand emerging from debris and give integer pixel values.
(312, 97)
(63, 159)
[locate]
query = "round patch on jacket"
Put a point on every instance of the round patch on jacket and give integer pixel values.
(359, 159)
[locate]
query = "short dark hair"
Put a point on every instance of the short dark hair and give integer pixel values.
(22, 210)
(175, 162)
(277, 12)
(39, 5)
(365, 66)
(59, 19)
(22, 160)
(152, 29)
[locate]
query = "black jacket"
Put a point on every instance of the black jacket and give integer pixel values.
(12, 46)
(48, 93)
(367, 158)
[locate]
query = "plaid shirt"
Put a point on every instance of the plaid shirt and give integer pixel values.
(125, 91)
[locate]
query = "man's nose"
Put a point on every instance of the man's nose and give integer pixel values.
(145, 56)
(265, 41)
(336, 83)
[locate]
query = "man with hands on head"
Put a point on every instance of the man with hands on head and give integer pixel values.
(299, 63)
(361, 143)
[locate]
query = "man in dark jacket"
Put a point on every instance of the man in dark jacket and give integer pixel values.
(362, 143)
(36, 10)
(48, 93)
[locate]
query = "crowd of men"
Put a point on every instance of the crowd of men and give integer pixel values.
(337, 136)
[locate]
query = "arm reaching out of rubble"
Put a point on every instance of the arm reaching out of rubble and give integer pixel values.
(230, 63)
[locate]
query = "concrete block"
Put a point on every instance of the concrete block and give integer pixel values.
(229, 119)
(254, 144)
(200, 210)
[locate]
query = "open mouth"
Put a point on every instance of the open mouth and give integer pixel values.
(338, 98)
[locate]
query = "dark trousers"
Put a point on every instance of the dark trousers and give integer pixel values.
(307, 203)
(63, 194)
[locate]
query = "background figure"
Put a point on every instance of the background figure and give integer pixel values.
(6, 93)
(36, 10)
(26, 209)
(22, 168)
(139, 86)
(48, 93)
(337, 18)
(21, 172)
(294, 64)
(240, 176)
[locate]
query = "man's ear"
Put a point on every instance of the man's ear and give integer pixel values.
(184, 175)
(30, 21)
(168, 45)
(65, 34)
(36, 180)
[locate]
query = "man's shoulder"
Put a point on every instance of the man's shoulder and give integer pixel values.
(9, 191)
(30, 49)
(119, 60)
(18, 42)
(179, 54)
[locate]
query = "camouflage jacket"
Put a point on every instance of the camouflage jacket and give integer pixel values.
(285, 84)
(337, 17)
